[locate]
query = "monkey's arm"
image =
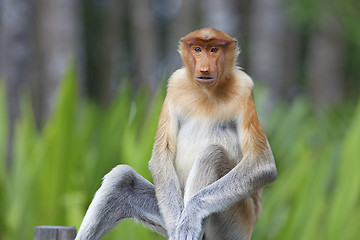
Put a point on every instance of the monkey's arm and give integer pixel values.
(256, 169)
(161, 165)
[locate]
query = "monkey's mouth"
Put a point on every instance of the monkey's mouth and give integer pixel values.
(205, 81)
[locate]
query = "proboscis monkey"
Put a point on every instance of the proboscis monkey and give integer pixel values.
(211, 158)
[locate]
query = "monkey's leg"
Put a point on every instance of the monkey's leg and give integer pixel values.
(235, 222)
(212, 165)
(123, 194)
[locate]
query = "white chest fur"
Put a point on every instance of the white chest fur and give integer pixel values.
(195, 135)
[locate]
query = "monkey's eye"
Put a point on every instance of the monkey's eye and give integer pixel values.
(214, 49)
(197, 49)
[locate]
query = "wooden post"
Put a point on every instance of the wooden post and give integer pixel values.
(54, 233)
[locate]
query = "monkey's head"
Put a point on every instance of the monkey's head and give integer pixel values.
(208, 55)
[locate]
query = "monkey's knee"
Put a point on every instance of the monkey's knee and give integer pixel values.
(213, 155)
(212, 164)
(216, 152)
(215, 160)
(119, 176)
(124, 178)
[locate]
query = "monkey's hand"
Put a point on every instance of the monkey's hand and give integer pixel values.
(190, 224)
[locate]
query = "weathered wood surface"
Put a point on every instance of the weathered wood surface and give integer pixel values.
(54, 233)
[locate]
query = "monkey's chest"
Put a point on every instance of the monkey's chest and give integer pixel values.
(195, 136)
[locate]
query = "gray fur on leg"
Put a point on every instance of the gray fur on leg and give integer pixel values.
(123, 194)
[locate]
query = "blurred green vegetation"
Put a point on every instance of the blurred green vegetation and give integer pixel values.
(56, 171)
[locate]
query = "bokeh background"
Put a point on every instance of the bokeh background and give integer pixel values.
(81, 87)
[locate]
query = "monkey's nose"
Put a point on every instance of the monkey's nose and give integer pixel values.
(204, 69)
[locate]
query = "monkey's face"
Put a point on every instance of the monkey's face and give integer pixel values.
(209, 56)
(206, 64)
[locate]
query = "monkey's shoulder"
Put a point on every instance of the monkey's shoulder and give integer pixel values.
(243, 80)
(178, 77)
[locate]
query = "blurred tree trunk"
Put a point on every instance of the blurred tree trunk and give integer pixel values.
(144, 44)
(16, 56)
(183, 24)
(292, 62)
(243, 32)
(267, 62)
(324, 62)
(59, 35)
(221, 15)
(112, 49)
